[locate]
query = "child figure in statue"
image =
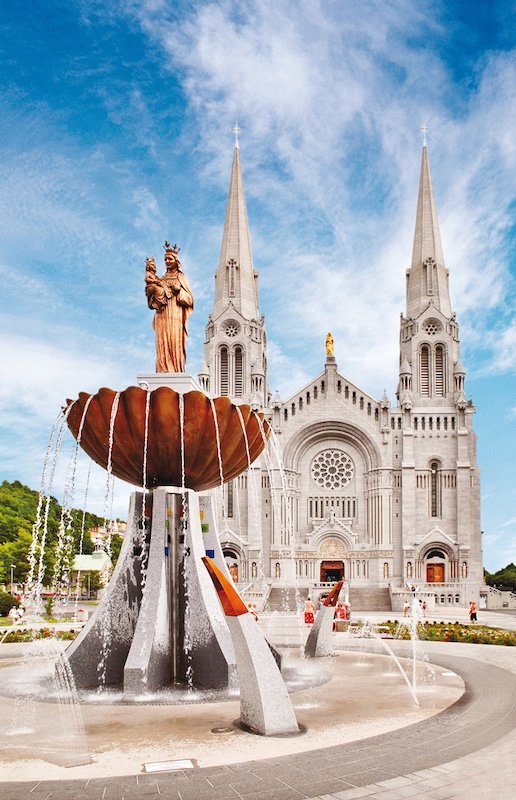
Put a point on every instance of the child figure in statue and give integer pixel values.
(172, 300)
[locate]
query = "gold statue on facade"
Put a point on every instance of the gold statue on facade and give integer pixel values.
(172, 300)
(329, 346)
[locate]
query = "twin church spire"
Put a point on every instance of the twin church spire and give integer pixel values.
(428, 277)
(430, 370)
(235, 279)
(235, 343)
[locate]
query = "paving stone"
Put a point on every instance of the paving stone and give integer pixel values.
(445, 793)
(352, 794)
(285, 793)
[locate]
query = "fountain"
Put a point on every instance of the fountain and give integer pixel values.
(159, 622)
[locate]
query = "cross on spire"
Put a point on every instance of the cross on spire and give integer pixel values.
(424, 131)
(236, 131)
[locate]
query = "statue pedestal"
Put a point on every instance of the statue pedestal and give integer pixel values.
(180, 382)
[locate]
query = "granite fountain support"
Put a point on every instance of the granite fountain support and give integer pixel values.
(319, 642)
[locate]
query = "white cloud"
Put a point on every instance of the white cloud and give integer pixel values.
(332, 100)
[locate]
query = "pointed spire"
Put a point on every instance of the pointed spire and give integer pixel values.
(235, 278)
(428, 276)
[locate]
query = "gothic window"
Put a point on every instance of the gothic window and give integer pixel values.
(229, 488)
(224, 371)
(239, 372)
(424, 371)
(332, 469)
(232, 267)
(439, 370)
(435, 495)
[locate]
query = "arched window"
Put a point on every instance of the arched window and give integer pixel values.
(229, 489)
(424, 371)
(224, 371)
(439, 371)
(385, 569)
(239, 372)
(435, 494)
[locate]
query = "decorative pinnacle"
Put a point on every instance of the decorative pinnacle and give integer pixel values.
(424, 131)
(236, 131)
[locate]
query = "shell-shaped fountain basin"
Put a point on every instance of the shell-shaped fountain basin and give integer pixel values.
(145, 433)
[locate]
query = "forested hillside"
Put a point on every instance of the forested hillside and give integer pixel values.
(18, 505)
(503, 579)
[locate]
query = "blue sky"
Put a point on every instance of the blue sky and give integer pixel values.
(115, 133)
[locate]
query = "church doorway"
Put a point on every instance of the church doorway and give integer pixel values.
(435, 566)
(332, 571)
(233, 563)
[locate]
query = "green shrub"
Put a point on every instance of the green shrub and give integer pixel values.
(7, 601)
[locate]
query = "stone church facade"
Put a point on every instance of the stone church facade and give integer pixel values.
(383, 495)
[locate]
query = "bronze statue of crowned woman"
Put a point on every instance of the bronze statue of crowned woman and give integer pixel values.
(171, 298)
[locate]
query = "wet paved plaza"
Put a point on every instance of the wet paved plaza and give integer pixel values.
(463, 751)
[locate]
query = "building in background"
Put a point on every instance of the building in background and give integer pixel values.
(383, 495)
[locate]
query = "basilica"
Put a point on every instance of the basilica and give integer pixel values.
(385, 496)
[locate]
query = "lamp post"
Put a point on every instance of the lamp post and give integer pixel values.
(12, 577)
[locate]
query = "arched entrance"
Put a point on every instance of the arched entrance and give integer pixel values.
(435, 566)
(232, 560)
(332, 571)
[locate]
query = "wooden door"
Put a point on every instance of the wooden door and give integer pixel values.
(435, 573)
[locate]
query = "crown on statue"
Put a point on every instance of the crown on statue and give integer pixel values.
(174, 249)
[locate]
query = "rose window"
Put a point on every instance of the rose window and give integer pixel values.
(231, 329)
(332, 469)
(432, 327)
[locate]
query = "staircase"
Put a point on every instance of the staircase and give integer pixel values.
(365, 599)
(284, 599)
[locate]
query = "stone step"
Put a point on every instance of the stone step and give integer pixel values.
(369, 599)
(284, 599)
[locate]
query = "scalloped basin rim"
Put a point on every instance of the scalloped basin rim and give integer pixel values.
(146, 435)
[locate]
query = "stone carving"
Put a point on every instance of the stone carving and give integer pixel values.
(172, 299)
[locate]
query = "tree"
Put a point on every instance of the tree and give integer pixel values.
(18, 509)
(503, 579)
